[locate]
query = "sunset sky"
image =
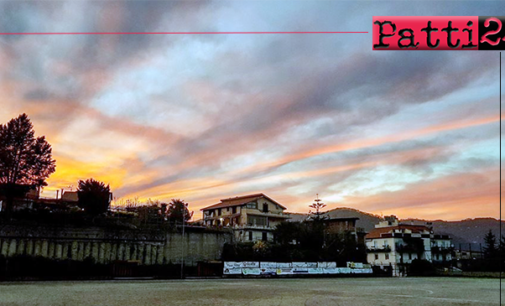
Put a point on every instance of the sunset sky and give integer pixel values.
(206, 117)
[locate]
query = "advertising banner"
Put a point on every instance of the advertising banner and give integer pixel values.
(251, 271)
(315, 271)
(230, 271)
(304, 264)
(268, 271)
(284, 271)
(250, 264)
(344, 270)
(330, 271)
(267, 264)
(232, 264)
(285, 265)
(327, 264)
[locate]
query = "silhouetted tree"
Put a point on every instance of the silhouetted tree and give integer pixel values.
(25, 161)
(287, 232)
(501, 247)
(94, 196)
(317, 215)
(177, 209)
(490, 245)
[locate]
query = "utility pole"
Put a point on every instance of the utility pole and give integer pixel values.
(182, 259)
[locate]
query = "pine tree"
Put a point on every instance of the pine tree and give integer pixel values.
(490, 245)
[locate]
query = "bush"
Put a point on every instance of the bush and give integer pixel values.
(421, 267)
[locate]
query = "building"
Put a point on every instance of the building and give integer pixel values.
(393, 246)
(252, 217)
(341, 225)
(71, 197)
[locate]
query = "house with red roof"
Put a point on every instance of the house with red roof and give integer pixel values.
(393, 246)
(252, 217)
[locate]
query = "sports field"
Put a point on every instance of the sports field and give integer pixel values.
(289, 292)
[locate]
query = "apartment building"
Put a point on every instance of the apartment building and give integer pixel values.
(394, 246)
(252, 217)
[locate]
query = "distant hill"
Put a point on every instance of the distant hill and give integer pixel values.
(462, 232)
(465, 231)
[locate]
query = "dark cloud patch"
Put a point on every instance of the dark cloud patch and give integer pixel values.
(37, 94)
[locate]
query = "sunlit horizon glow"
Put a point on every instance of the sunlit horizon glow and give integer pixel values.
(208, 117)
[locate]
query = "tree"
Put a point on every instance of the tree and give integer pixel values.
(501, 247)
(177, 209)
(25, 161)
(317, 205)
(286, 233)
(490, 245)
(94, 196)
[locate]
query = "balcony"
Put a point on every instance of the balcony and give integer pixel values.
(441, 250)
(384, 249)
(252, 227)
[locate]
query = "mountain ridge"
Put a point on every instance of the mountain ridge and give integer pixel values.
(463, 232)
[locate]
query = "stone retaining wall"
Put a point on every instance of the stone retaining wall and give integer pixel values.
(105, 246)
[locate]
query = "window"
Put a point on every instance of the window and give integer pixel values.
(250, 236)
(234, 209)
(265, 207)
(252, 205)
(410, 256)
(376, 256)
(257, 220)
(387, 256)
(264, 236)
(219, 211)
(227, 209)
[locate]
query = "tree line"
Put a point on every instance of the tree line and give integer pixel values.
(26, 163)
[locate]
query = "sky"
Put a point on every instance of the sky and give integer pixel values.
(207, 117)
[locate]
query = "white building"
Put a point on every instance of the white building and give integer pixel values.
(394, 246)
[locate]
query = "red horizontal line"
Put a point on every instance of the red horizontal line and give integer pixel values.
(175, 33)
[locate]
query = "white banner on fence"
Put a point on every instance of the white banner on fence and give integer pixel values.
(315, 271)
(355, 265)
(241, 264)
(229, 271)
(251, 271)
(269, 265)
(268, 271)
(327, 264)
(304, 264)
(284, 271)
(362, 271)
(285, 265)
(232, 264)
(284, 268)
(330, 271)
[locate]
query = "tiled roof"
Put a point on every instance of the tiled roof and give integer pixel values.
(237, 201)
(377, 232)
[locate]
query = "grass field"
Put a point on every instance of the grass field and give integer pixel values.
(289, 292)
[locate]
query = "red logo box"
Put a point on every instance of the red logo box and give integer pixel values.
(438, 33)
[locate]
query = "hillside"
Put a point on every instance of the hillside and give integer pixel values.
(366, 221)
(465, 231)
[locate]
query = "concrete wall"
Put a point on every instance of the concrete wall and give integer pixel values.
(105, 246)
